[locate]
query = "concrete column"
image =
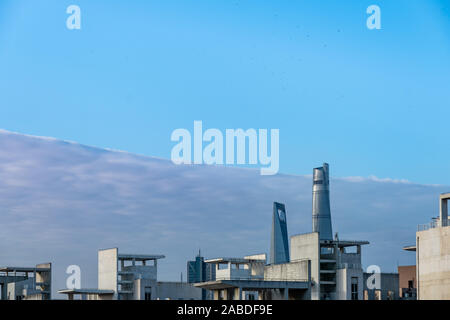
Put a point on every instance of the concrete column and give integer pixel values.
(443, 210)
(216, 294)
(286, 293)
(260, 295)
(237, 294)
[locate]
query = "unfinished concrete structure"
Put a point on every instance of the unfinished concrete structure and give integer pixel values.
(26, 283)
(433, 255)
(249, 278)
(132, 277)
(336, 270)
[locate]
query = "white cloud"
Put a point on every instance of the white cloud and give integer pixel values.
(62, 201)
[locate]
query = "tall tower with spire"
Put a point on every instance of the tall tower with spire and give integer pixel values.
(321, 213)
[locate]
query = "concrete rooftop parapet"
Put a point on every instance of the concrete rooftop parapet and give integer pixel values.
(344, 243)
(23, 269)
(85, 291)
(235, 260)
(139, 257)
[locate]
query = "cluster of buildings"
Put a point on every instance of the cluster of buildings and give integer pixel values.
(312, 266)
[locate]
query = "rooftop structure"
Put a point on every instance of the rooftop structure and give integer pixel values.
(132, 277)
(321, 202)
(251, 277)
(432, 253)
(26, 283)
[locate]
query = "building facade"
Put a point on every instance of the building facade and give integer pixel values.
(432, 250)
(200, 271)
(23, 283)
(279, 242)
(132, 277)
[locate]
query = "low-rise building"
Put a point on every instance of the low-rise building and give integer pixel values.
(132, 277)
(432, 250)
(26, 283)
(407, 282)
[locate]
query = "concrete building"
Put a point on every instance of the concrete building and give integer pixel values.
(432, 250)
(22, 283)
(200, 271)
(336, 270)
(407, 282)
(132, 277)
(279, 245)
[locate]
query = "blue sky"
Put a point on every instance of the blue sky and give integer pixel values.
(369, 102)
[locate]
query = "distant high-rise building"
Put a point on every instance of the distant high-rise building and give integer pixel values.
(279, 245)
(321, 212)
(200, 271)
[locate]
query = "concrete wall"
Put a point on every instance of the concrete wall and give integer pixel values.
(142, 272)
(351, 260)
(296, 270)
(406, 274)
(233, 274)
(177, 291)
(45, 278)
(306, 247)
(344, 283)
(15, 289)
(433, 263)
(144, 285)
(257, 268)
(388, 283)
(107, 270)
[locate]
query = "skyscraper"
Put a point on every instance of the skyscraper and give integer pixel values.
(321, 212)
(279, 246)
(200, 271)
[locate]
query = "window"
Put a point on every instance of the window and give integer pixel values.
(148, 293)
(354, 288)
(410, 284)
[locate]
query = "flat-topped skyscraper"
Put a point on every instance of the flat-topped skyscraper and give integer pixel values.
(321, 212)
(279, 245)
